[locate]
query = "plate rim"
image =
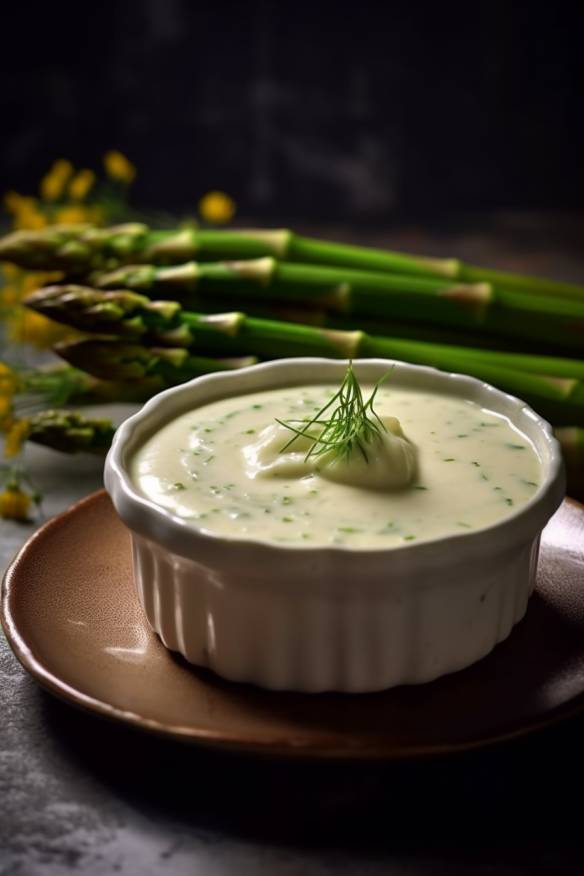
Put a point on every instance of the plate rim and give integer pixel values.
(223, 740)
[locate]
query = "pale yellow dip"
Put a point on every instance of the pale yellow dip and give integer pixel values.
(446, 466)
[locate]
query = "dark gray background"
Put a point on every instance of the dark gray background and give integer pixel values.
(356, 111)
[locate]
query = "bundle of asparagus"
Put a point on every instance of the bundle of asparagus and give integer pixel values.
(327, 299)
(493, 310)
(81, 248)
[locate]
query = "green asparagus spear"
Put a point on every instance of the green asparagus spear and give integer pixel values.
(70, 431)
(111, 360)
(84, 248)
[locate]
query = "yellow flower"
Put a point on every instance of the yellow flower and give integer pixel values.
(9, 295)
(73, 215)
(14, 503)
(10, 277)
(217, 208)
(34, 280)
(53, 183)
(14, 202)
(30, 220)
(81, 184)
(26, 326)
(15, 436)
(5, 411)
(25, 210)
(118, 167)
(8, 386)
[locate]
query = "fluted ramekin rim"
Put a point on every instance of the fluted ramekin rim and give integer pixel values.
(151, 520)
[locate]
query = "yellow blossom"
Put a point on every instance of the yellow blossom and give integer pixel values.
(8, 386)
(118, 167)
(7, 376)
(81, 184)
(10, 277)
(26, 326)
(73, 215)
(9, 295)
(25, 210)
(217, 208)
(14, 504)
(35, 279)
(53, 183)
(30, 220)
(15, 436)
(15, 202)
(5, 411)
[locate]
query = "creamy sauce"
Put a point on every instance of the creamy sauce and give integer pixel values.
(220, 467)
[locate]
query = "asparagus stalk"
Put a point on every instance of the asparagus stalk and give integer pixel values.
(73, 248)
(77, 249)
(388, 327)
(111, 360)
(131, 316)
(34, 389)
(70, 431)
(364, 293)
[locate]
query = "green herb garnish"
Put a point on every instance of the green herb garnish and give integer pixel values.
(352, 422)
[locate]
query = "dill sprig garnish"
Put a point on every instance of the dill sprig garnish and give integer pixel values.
(352, 422)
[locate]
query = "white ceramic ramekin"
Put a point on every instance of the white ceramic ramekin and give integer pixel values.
(331, 618)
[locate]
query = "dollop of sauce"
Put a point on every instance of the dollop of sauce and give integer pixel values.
(387, 461)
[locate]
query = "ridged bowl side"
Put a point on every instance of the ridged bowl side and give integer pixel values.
(246, 629)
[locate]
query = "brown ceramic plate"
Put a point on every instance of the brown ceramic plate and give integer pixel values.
(71, 616)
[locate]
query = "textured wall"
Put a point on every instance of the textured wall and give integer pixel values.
(353, 110)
